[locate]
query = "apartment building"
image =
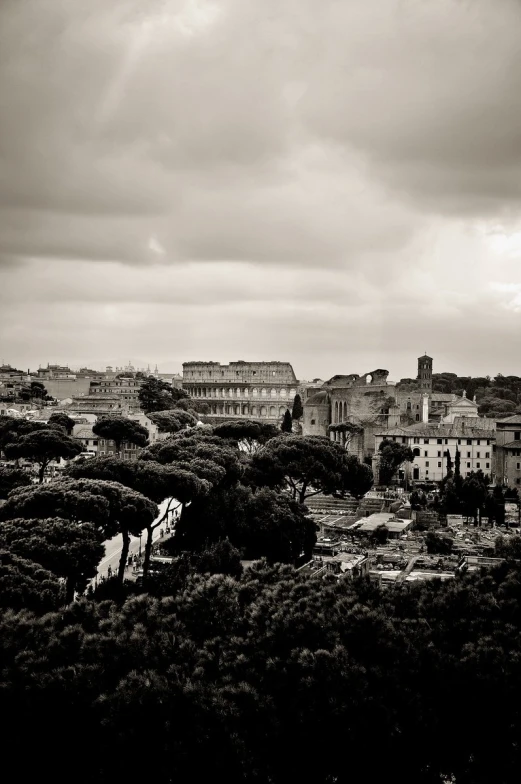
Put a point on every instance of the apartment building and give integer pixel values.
(472, 438)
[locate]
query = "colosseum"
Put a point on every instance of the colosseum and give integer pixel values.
(242, 390)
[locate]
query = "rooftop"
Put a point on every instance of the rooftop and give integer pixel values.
(465, 427)
(515, 419)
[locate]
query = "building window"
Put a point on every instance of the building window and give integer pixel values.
(416, 452)
(313, 421)
(469, 441)
(446, 440)
(488, 441)
(459, 440)
(404, 440)
(517, 435)
(416, 440)
(487, 465)
(426, 454)
(439, 440)
(469, 454)
(427, 464)
(425, 440)
(417, 417)
(439, 454)
(439, 465)
(478, 465)
(468, 465)
(518, 466)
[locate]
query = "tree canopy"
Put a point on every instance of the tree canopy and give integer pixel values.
(121, 429)
(247, 434)
(155, 481)
(112, 508)
(261, 524)
(63, 421)
(174, 420)
(304, 466)
(248, 679)
(391, 456)
(11, 478)
(11, 429)
(26, 585)
(66, 549)
(42, 447)
(158, 395)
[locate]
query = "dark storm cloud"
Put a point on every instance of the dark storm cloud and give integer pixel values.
(350, 159)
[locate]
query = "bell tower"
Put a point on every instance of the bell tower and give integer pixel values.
(425, 374)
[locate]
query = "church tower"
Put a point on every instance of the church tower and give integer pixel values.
(425, 374)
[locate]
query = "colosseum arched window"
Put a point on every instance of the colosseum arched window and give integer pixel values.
(283, 393)
(273, 393)
(255, 392)
(263, 411)
(264, 392)
(273, 411)
(282, 411)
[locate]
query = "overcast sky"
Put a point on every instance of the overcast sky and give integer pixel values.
(332, 183)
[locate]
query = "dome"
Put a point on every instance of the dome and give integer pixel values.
(319, 399)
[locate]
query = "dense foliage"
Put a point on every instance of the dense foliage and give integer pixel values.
(272, 677)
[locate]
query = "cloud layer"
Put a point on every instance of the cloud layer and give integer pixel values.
(339, 188)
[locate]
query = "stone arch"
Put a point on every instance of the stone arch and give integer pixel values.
(237, 409)
(273, 393)
(368, 378)
(237, 392)
(264, 392)
(292, 392)
(255, 392)
(283, 393)
(416, 452)
(273, 411)
(282, 410)
(263, 411)
(254, 410)
(245, 408)
(336, 412)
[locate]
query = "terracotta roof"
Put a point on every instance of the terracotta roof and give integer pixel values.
(512, 445)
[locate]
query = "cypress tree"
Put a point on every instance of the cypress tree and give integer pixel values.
(287, 423)
(297, 410)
